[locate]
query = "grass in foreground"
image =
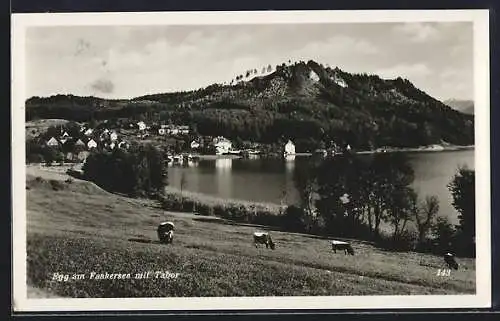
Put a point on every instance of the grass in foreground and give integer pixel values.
(74, 230)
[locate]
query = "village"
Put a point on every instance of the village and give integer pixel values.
(73, 142)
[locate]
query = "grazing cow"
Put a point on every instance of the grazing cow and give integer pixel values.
(449, 258)
(263, 238)
(166, 232)
(340, 245)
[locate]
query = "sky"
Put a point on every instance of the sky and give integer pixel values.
(130, 61)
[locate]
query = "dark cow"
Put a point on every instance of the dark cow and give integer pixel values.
(263, 238)
(166, 232)
(449, 258)
(340, 245)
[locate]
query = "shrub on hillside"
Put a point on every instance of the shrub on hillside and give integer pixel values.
(56, 185)
(220, 210)
(188, 205)
(137, 172)
(292, 220)
(445, 234)
(204, 209)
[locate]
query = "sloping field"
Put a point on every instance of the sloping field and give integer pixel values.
(35, 127)
(76, 228)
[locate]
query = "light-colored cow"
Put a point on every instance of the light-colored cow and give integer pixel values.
(341, 245)
(263, 238)
(166, 232)
(449, 258)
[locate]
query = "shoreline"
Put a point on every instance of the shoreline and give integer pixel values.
(422, 149)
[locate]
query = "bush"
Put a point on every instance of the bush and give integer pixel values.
(172, 202)
(188, 205)
(237, 213)
(267, 218)
(137, 172)
(34, 158)
(406, 241)
(220, 210)
(445, 234)
(204, 209)
(292, 219)
(56, 185)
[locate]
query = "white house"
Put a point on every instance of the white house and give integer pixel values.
(289, 148)
(82, 156)
(91, 144)
(65, 135)
(141, 125)
(184, 130)
(113, 136)
(222, 145)
(52, 142)
(195, 144)
(70, 156)
(79, 143)
(123, 144)
(89, 132)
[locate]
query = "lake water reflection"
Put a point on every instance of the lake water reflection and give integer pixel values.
(271, 180)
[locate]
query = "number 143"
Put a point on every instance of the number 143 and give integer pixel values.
(443, 272)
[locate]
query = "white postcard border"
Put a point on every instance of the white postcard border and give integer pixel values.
(482, 298)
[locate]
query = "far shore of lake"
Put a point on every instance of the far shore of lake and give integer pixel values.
(421, 149)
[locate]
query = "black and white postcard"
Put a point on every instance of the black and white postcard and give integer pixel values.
(251, 160)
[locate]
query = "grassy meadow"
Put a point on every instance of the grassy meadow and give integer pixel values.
(77, 228)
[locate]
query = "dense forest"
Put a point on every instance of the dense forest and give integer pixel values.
(307, 102)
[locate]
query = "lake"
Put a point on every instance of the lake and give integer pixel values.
(270, 180)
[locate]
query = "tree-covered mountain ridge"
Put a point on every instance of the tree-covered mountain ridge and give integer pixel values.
(304, 101)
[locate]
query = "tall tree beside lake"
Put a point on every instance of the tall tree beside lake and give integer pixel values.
(425, 215)
(462, 188)
(305, 180)
(357, 194)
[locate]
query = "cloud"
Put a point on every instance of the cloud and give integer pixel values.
(409, 71)
(120, 61)
(418, 32)
(104, 86)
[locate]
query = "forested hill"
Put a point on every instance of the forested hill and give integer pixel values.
(306, 102)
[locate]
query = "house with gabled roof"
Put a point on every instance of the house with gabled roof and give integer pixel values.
(52, 142)
(141, 125)
(113, 136)
(183, 130)
(88, 132)
(82, 156)
(80, 143)
(289, 148)
(195, 144)
(91, 144)
(222, 145)
(123, 144)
